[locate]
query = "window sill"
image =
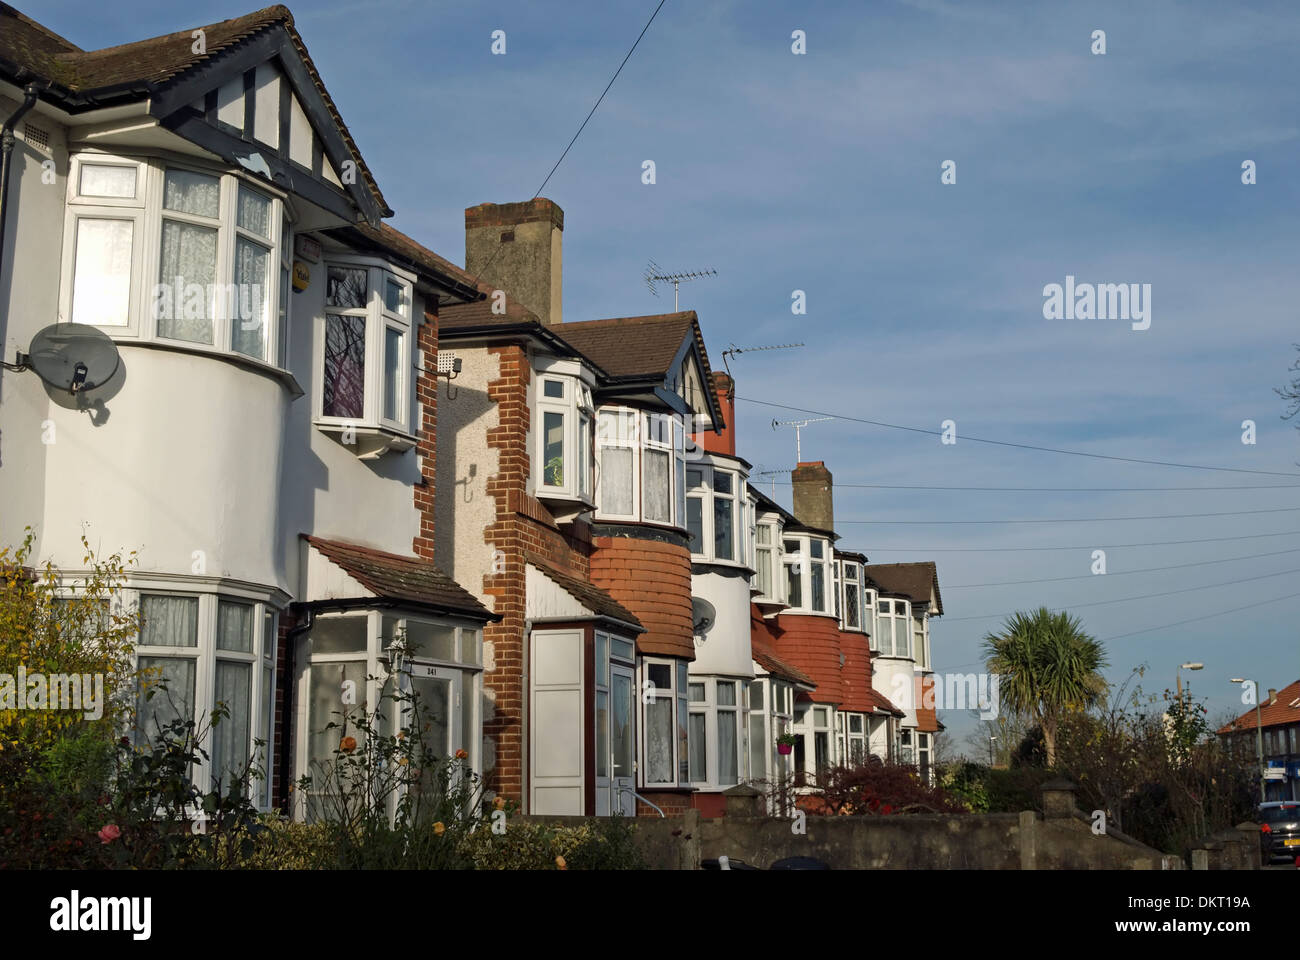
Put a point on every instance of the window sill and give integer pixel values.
(286, 379)
(369, 442)
(564, 507)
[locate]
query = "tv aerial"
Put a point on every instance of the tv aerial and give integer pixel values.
(70, 356)
(798, 426)
(653, 275)
(735, 351)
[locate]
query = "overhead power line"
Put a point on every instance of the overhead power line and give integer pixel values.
(1020, 446)
(1205, 616)
(1118, 573)
(925, 486)
(590, 114)
(1083, 546)
(1144, 596)
(1155, 516)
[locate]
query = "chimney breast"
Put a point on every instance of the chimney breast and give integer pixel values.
(723, 441)
(516, 247)
(813, 497)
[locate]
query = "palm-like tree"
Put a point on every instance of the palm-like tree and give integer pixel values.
(1047, 666)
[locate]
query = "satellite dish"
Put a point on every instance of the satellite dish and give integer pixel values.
(703, 615)
(73, 357)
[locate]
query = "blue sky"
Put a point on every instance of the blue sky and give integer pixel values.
(821, 172)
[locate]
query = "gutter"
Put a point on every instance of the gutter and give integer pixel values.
(7, 143)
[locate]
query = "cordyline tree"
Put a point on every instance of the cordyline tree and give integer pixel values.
(1048, 667)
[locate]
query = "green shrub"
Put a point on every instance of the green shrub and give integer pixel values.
(606, 843)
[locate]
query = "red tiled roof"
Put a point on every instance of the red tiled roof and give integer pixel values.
(405, 579)
(763, 651)
(588, 594)
(812, 643)
(1273, 713)
(153, 62)
(437, 268)
(914, 580)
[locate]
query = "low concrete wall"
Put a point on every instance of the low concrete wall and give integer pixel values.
(1059, 838)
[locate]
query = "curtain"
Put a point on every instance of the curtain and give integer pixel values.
(235, 626)
(616, 480)
(196, 193)
(189, 258)
(656, 491)
(169, 621)
(101, 286)
(254, 212)
(723, 541)
(230, 736)
(659, 741)
(248, 315)
(392, 373)
(699, 770)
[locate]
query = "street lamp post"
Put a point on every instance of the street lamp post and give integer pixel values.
(1179, 678)
(1259, 734)
(991, 739)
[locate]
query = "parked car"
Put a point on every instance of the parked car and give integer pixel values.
(1279, 830)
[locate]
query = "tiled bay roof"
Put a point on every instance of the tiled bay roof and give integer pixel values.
(588, 594)
(404, 579)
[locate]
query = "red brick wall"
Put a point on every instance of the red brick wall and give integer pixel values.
(674, 803)
(426, 391)
(653, 580)
(812, 644)
(523, 527)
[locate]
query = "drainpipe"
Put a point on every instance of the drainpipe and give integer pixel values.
(7, 141)
(282, 761)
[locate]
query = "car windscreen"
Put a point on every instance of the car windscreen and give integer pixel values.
(1280, 814)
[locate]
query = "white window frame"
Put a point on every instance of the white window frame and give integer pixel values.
(847, 584)
(859, 738)
(645, 433)
(715, 714)
(678, 693)
(889, 622)
(261, 660)
(772, 561)
(378, 320)
(146, 213)
(802, 558)
(468, 660)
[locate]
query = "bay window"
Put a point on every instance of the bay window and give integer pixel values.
(851, 596)
(641, 464)
(766, 579)
(894, 621)
(564, 411)
(715, 514)
(196, 651)
(923, 754)
(905, 752)
(717, 731)
(921, 639)
(211, 240)
(808, 573)
(856, 724)
(352, 664)
(366, 358)
(869, 614)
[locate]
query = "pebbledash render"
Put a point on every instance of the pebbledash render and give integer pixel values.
(378, 461)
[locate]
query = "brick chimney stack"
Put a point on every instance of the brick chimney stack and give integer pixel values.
(813, 497)
(516, 247)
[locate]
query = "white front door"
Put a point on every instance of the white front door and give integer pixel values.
(622, 720)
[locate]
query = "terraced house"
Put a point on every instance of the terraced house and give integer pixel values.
(348, 463)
